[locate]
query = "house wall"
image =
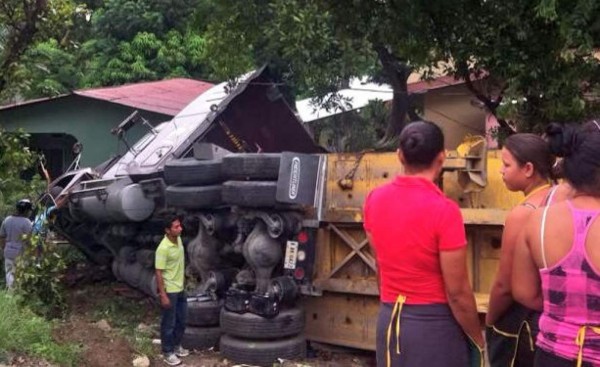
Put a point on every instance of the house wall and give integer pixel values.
(88, 120)
(451, 108)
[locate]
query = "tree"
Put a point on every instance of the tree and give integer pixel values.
(540, 56)
(22, 24)
(315, 46)
(147, 56)
(537, 55)
(101, 43)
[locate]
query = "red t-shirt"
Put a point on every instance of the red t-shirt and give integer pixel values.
(411, 221)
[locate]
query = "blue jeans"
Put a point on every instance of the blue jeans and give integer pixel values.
(172, 324)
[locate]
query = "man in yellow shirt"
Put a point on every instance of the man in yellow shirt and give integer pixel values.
(170, 266)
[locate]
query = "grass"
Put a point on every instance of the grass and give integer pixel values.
(126, 315)
(22, 332)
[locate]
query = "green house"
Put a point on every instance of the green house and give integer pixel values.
(60, 125)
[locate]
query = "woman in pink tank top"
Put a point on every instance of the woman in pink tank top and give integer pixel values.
(558, 261)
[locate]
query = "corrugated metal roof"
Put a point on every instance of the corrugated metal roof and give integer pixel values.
(166, 96)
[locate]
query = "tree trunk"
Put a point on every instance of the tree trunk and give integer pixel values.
(491, 103)
(397, 73)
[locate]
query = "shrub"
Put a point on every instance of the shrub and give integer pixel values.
(38, 277)
(21, 331)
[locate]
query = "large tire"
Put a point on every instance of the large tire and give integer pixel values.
(247, 325)
(203, 313)
(131, 273)
(251, 166)
(192, 172)
(201, 338)
(148, 283)
(262, 353)
(194, 197)
(250, 193)
(146, 258)
(127, 254)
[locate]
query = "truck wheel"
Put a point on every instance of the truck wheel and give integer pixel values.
(194, 197)
(251, 166)
(192, 172)
(148, 283)
(247, 325)
(203, 313)
(250, 193)
(262, 353)
(131, 274)
(285, 288)
(201, 338)
(127, 254)
(146, 258)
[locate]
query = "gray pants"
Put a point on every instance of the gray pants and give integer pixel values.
(429, 337)
(9, 268)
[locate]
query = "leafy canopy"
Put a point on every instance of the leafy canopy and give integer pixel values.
(538, 55)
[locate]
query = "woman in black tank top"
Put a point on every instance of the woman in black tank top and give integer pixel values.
(511, 328)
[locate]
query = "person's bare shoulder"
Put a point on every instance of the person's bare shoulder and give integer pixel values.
(519, 215)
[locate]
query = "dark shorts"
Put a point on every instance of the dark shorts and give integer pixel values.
(503, 349)
(429, 337)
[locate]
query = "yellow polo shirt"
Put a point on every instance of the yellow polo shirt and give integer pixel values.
(170, 259)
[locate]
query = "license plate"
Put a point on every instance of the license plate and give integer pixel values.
(291, 255)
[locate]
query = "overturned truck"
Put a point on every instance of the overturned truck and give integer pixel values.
(273, 235)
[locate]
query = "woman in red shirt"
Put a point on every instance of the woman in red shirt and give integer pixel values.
(427, 310)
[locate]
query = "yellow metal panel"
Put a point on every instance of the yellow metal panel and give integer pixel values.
(342, 319)
(375, 169)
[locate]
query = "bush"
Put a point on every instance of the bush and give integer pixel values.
(15, 160)
(21, 331)
(38, 277)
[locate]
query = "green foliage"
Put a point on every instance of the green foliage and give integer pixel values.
(21, 331)
(38, 277)
(296, 38)
(48, 70)
(123, 19)
(110, 43)
(16, 158)
(146, 57)
(541, 53)
(23, 23)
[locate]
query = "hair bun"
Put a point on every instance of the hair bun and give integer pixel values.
(562, 139)
(414, 140)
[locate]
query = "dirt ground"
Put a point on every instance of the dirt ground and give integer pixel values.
(105, 345)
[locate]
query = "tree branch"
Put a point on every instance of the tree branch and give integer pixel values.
(491, 105)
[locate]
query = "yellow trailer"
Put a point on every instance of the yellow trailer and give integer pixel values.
(342, 302)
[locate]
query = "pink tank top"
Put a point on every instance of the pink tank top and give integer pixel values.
(571, 291)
